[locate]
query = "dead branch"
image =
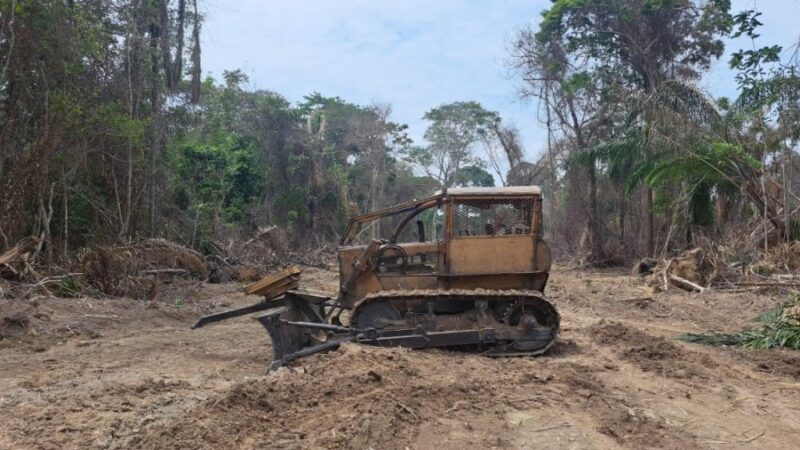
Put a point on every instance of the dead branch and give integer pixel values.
(688, 283)
(47, 280)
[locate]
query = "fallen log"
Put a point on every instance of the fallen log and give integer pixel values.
(688, 283)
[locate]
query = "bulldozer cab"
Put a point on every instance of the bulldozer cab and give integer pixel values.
(458, 238)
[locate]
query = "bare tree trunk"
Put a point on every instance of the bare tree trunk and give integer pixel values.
(2, 231)
(128, 196)
(196, 72)
(786, 205)
(766, 216)
(48, 219)
(163, 15)
(651, 227)
(177, 70)
(45, 217)
(594, 220)
(154, 153)
(159, 34)
(65, 200)
(194, 226)
(376, 187)
(623, 206)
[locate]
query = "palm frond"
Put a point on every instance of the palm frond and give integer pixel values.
(779, 327)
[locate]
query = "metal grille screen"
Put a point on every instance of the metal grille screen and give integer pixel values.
(492, 217)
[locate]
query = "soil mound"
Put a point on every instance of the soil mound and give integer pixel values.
(358, 397)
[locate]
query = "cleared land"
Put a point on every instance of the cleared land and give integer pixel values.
(111, 373)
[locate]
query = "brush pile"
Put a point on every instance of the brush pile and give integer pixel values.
(779, 327)
(15, 260)
(723, 267)
(133, 269)
(693, 270)
(270, 248)
(784, 258)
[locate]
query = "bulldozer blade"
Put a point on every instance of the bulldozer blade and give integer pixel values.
(291, 341)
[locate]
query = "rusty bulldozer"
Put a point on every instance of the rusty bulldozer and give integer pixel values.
(463, 268)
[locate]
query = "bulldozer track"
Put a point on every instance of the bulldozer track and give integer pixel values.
(513, 332)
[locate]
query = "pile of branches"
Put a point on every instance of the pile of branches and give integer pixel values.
(132, 270)
(17, 268)
(778, 327)
(15, 262)
(694, 270)
(713, 266)
(270, 248)
(783, 258)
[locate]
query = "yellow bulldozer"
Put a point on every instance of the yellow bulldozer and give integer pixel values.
(463, 268)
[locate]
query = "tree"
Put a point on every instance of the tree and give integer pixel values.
(500, 143)
(636, 46)
(474, 175)
(575, 95)
(455, 128)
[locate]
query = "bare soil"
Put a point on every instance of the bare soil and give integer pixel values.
(115, 373)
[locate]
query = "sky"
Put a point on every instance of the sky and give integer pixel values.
(412, 54)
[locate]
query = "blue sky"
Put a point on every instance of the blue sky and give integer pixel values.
(412, 54)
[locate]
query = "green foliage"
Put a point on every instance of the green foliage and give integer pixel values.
(474, 175)
(715, 163)
(218, 176)
(454, 129)
(679, 32)
(751, 63)
(774, 329)
(456, 126)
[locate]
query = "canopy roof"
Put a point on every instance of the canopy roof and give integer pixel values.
(510, 190)
(357, 222)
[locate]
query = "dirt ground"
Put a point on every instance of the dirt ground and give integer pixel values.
(113, 373)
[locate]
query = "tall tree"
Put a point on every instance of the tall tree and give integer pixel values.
(641, 45)
(455, 128)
